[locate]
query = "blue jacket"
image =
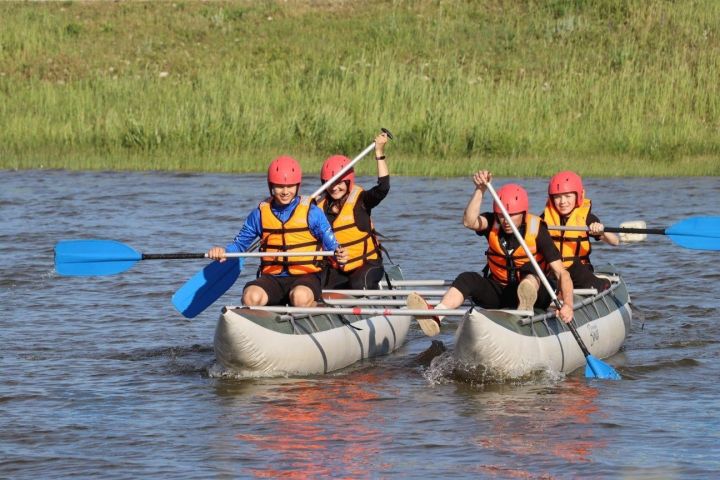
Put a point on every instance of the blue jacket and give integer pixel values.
(252, 228)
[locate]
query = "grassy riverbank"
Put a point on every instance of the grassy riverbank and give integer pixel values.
(608, 87)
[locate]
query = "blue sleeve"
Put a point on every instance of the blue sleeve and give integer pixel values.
(250, 230)
(321, 229)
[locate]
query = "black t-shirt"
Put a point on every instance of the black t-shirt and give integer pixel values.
(545, 245)
(367, 200)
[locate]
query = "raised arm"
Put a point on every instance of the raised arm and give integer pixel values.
(380, 142)
(371, 198)
(471, 217)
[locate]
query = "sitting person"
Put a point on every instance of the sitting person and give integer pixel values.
(347, 207)
(567, 205)
(285, 222)
(509, 280)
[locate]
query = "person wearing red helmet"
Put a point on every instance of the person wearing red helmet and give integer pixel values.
(567, 205)
(284, 221)
(347, 207)
(508, 280)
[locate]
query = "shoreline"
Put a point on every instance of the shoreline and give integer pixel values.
(399, 166)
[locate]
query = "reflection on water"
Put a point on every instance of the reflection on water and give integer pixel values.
(102, 377)
(317, 427)
(563, 429)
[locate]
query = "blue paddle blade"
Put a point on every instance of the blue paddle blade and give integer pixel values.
(93, 257)
(698, 233)
(206, 286)
(596, 368)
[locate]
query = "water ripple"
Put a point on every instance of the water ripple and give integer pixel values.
(101, 377)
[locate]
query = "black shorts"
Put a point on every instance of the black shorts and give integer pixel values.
(489, 293)
(278, 288)
(583, 277)
(365, 277)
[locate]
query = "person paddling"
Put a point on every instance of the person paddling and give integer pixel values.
(347, 207)
(567, 205)
(509, 280)
(285, 222)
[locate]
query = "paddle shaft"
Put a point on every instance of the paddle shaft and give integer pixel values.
(373, 302)
(417, 283)
(356, 311)
(535, 265)
(651, 231)
(424, 293)
(181, 255)
(168, 256)
(388, 293)
(347, 167)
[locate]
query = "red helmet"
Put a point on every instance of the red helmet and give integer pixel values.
(513, 197)
(284, 170)
(333, 165)
(567, 182)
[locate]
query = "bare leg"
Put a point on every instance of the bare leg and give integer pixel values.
(452, 299)
(430, 324)
(254, 296)
(302, 296)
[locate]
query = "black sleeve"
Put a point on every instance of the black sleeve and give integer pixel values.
(371, 198)
(592, 218)
(490, 217)
(546, 246)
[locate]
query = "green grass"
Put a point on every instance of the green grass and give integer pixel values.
(525, 88)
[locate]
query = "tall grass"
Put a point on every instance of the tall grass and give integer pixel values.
(607, 87)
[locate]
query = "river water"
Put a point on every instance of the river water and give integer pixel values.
(100, 376)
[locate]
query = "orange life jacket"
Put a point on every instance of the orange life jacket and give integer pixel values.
(362, 246)
(293, 235)
(505, 267)
(573, 246)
